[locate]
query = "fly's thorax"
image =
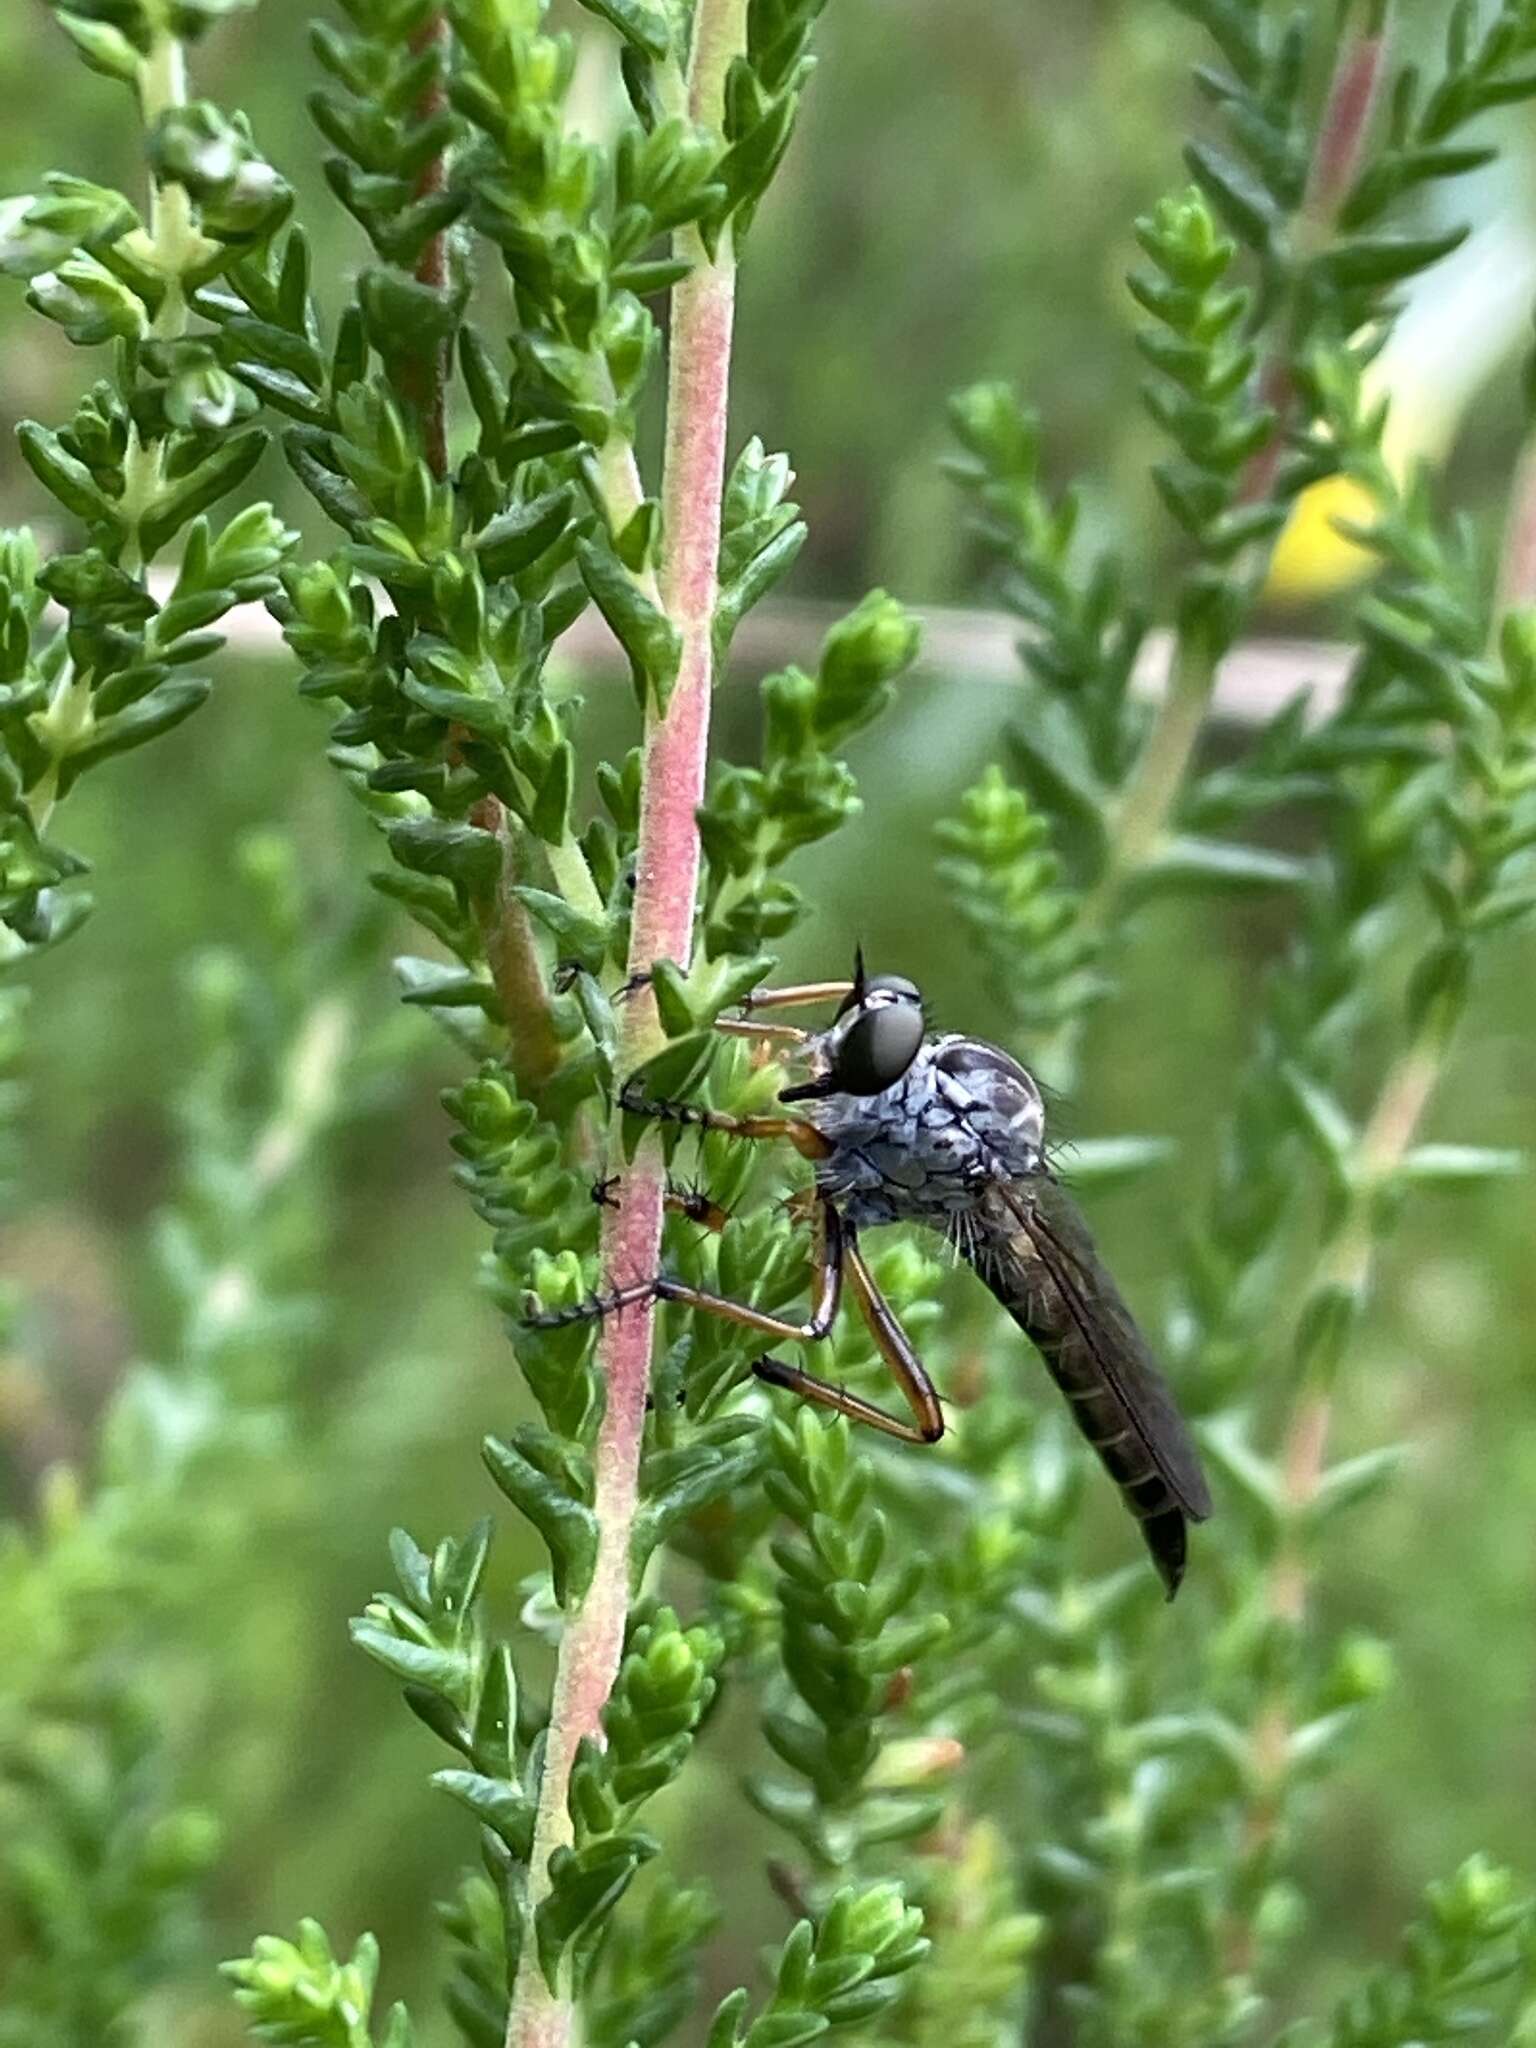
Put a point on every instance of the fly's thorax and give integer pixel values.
(963, 1117)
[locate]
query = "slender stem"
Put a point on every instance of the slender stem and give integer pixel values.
(1384, 1143)
(1353, 92)
(1159, 773)
(1517, 559)
(1138, 824)
(533, 1045)
(666, 885)
(424, 382)
(163, 85)
(1154, 787)
(1148, 802)
(1352, 95)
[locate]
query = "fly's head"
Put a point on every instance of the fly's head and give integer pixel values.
(873, 1040)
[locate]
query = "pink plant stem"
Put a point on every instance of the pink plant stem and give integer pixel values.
(1352, 98)
(1517, 566)
(1352, 95)
(666, 886)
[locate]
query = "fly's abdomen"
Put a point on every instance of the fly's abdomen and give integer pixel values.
(1104, 1423)
(1066, 1304)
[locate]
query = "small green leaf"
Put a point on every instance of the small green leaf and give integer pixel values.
(467, 855)
(224, 471)
(1370, 262)
(1214, 864)
(549, 817)
(63, 475)
(503, 1806)
(104, 48)
(582, 937)
(445, 1671)
(152, 715)
(645, 27)
(648, 636)
(568, 1526)
(1461, 1165)
(519, 536)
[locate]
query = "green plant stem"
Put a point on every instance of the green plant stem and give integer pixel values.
(666, 887)
(1138, 824)
(308, 1092)
(1142, 816)
(426, 380)
(1345, 1262)
(1153, 789)
(163, 85)
(533, 1045)
(1159, 773)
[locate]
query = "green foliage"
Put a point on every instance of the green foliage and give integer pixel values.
(458, 1681)
(755, 818)
(649, 1979)
(980, 1740)
(664, 1688)
(841, 1973)
(1201, 397)
(102, 1863)
(299, 1993)
(148, 453)
(1473, 1939)
(850, 1637)
(1006, 882)
(105, 1849)
(1169, 1798)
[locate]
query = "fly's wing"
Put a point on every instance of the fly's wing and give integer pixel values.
(1109, 1335)
(1040, 1262)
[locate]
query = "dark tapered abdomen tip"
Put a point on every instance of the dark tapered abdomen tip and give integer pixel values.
(1166, 1539)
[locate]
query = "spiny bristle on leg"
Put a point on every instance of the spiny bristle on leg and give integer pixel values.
(636, 1103)
(688, 1198)
(602, 1302)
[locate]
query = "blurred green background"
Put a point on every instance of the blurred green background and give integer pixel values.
(957, 205)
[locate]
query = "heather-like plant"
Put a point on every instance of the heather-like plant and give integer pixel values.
(1010, 1792)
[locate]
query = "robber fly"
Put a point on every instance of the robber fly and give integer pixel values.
(906, 1126)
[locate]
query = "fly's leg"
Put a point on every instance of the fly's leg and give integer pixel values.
(827, 1292)
(698, 1207)
(748, 1027)
(894, 1346)
(795, 995)
(691, 1202)
(803, 992)
(804, 1136)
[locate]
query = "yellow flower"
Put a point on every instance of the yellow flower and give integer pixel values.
(1462, 319)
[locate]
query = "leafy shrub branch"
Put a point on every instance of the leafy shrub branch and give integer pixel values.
(1005, 1793)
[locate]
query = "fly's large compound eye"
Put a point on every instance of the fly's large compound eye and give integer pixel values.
(878, 1048)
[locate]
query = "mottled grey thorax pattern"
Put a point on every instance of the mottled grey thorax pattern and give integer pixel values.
(962, 1116)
